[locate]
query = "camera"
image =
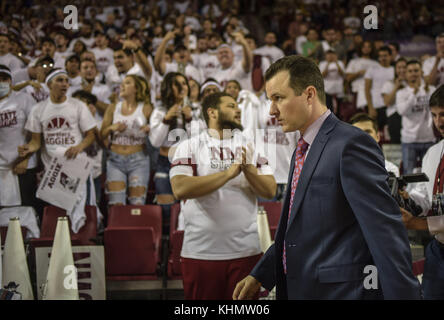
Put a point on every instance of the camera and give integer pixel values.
(399, 183)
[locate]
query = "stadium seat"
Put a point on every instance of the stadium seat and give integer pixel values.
(175, 244)
(273, 210)
(133, 242)
(84, 237)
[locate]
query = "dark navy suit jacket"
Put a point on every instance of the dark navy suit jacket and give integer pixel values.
(343, 218)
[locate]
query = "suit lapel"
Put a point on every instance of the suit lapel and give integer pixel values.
(310, 163)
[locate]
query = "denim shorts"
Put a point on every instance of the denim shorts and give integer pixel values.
(133, 170)
(162, 176)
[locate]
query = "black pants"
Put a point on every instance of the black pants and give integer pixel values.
(394, 128)
(381, 117)
(28, 189)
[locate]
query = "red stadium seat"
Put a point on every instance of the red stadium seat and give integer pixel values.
(176, 239)
(4, 231)
(273, 210)
(133, 242)
(49, 224)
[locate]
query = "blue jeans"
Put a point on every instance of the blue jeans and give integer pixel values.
(280, 194)
(133, 170)
(433, 278)
(412, 153)
(162, 176)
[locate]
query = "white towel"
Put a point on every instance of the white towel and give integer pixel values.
(9, 189)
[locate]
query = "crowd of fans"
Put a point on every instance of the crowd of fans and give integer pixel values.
(162, 58)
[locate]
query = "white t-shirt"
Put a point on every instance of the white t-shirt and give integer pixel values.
(60, 58)
(101, 91)
(387, 88)
(206, 63)
(333, 81)
(428, 66)
(279, 145)
(20, 75)
(114, 78)
(77, 81)
(14, 111)
(358, 85)
(221, 225)
(299, 43)
(62, 125)
(379, 75)
(417, 123)
(271, 52)
(38, 94)
(12, 62)
(104, 58)
(190, 71)
(235, 72)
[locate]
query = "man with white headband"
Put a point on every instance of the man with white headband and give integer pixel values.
(62, 125)
(208, 87)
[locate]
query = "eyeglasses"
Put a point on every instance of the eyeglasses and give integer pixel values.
(50, 65)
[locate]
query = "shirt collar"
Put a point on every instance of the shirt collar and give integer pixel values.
(312, 131)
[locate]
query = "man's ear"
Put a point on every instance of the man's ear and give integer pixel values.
(311, 94)
(378, 136)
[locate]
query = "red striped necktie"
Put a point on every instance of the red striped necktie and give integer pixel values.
(301, 150)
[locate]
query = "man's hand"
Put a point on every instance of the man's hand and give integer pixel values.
(246, 289)
(406, 217)
(35, 84)
(234, 170)
(72, 152)
(362, 72)
(20, 167)
(25, 150)
(238, 37)
(171, 35)
(129, 44)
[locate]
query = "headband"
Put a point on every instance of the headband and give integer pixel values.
(54, 74)
(210, 83)
(224, 45)
(5, 71)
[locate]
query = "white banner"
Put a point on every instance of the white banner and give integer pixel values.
(89, 261)
(63, 181)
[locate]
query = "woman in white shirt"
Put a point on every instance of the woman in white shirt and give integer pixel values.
(128, 162)
(173, 113)
(388, 92)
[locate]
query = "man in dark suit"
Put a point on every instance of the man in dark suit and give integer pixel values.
(339, 221)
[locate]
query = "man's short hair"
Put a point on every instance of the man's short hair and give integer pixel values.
(413, 61)
(437, 98)
(71, 58)
(363, 117)
(212, 101)
(385, 48)
(127, 51)
(49, 40)
(85, 96)
(395, 44)
(303, 73)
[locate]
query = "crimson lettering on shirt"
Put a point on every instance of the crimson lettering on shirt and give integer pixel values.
(225, 153)
(8, 119)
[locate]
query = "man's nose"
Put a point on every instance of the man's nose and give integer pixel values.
(273, 109)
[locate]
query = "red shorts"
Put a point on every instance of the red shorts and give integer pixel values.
(214, 279)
